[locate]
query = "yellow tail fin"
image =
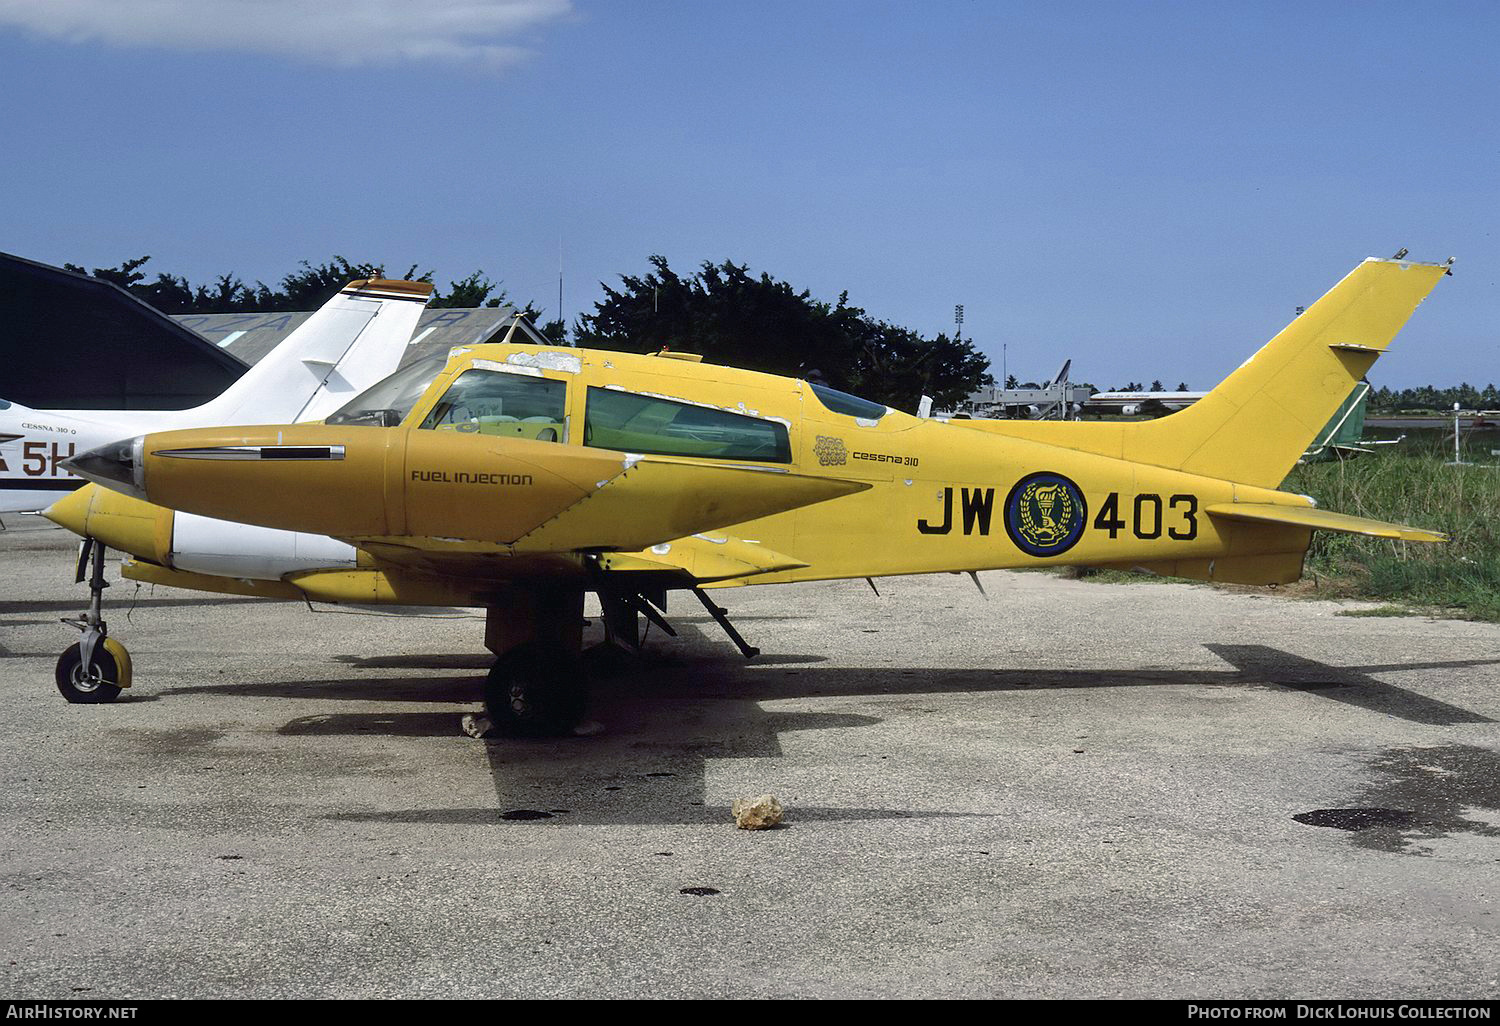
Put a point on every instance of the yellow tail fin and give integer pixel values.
(1261, 419)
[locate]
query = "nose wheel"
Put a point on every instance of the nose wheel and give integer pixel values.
(97, 668)
(97, 681)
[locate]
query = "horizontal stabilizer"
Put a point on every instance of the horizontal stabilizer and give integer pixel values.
(1321, 520)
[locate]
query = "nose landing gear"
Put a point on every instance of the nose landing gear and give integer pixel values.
(97, 668)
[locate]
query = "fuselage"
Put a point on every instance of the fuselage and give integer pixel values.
(518, 461)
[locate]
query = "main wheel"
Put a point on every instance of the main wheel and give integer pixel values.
(97, 683)
(529, 696)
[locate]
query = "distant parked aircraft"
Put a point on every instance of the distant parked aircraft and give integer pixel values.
(1150, 404)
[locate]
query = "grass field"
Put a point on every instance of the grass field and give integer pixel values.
(1411, 483)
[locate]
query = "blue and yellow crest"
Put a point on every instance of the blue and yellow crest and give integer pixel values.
(1045, 514)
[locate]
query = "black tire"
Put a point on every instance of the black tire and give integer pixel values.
(528, 696)
(82, 688)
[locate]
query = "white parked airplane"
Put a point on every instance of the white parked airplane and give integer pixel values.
(355, 340)
(1130, 404)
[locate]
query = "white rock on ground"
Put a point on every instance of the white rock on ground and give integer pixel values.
(756, 813)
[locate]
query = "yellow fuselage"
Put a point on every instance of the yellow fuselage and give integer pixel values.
(449, 510)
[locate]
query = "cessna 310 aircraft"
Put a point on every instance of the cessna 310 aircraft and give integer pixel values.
(518, 478)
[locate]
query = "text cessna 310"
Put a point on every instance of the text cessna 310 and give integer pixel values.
(518, 478)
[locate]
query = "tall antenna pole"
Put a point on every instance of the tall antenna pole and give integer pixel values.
(560, 288)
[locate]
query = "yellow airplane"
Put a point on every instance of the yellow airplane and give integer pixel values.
(518, 478)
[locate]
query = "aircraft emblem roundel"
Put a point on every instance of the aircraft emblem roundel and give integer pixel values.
(830, 451)
(1045, 514)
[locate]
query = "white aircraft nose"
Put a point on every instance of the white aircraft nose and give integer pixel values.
(118, 465)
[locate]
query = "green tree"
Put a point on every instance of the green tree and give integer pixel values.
(305, 289)
(126, 275)
(313, 286)
(732, 317)
(555, 331)
(474, 291)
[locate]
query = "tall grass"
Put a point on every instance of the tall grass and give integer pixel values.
(1411, 484)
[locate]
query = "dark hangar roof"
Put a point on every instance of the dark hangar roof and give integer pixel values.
(68, 341)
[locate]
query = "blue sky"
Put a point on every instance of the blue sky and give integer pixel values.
(1147, 188)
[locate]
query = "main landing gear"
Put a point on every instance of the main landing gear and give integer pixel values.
(533, 693)
(538, 686)
(97, 667)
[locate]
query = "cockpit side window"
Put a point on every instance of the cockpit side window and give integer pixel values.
(387, 402)
(490, 402)
(849, 405)
(646, 424)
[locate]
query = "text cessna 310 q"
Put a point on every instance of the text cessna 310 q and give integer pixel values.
(518, 478)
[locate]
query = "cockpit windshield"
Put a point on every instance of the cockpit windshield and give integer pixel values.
(849, 405)
(386, 403)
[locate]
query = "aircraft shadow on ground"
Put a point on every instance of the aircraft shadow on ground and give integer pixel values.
(123, 607)
(668, 719)
(624, 813)
(767, 679)
(483, 660)
(643, 771)
(77, 608)
(480, 661)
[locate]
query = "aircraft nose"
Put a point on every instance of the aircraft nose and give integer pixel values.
(71, 511)
(118, 465)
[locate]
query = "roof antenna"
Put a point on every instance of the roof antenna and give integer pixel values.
(1400, 253)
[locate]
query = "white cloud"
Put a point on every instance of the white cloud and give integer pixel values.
(342, 32)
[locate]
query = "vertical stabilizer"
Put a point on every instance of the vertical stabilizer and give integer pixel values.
(1260, 420)
(354, 340)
